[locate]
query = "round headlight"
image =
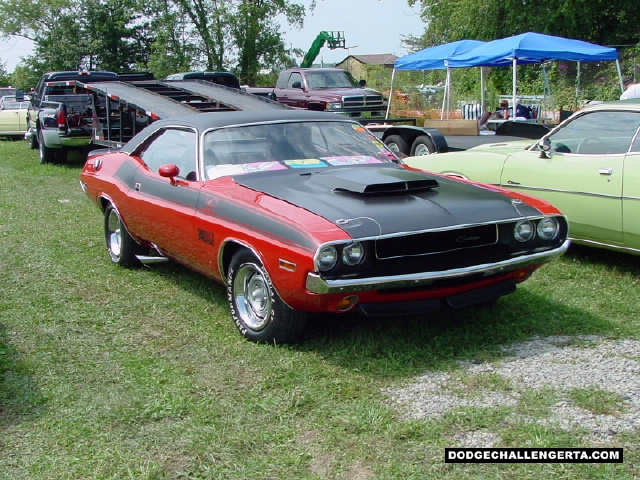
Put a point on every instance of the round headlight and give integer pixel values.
(327, 257)
(547, 228)
(523, 231)
(352, 254)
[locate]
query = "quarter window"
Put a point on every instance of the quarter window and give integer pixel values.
(177, 146)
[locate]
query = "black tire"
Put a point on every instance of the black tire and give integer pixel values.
(121, 246)
(60, 155)
(47, 155)
(422, 145)
(33, 142)
(257, 309)
(398, 144)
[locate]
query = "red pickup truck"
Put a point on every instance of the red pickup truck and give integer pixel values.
(327, 89)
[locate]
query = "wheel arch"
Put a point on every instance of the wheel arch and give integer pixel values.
(229, 249)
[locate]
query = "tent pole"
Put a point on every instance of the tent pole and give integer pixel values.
(515, 85)
(446, 94)
(620, 75)
(482, 108)
(393, 76)
(578, 81)
(449, 93)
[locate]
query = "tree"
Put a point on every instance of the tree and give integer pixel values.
(175, 47)
(71, 34)
(167, 35)
(605, 22)
(257, 37)
(116, 35)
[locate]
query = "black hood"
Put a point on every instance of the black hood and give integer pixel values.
(372, 200)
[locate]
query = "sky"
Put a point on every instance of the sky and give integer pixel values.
(369, 26)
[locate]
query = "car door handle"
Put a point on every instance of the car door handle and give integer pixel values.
(606, 171)
(511, 182)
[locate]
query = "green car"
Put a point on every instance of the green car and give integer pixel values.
(588, 167)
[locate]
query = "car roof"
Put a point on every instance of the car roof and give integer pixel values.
(76, 75)
(205, 121)
(629, 104)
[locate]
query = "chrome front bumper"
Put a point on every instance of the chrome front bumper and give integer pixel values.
(316, 284)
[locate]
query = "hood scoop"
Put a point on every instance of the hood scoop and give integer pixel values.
(374, 182)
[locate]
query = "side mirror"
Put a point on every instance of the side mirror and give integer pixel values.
(545, 148)
(170, 171)
(296, 85)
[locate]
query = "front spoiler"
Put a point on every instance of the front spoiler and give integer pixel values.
(317, 284)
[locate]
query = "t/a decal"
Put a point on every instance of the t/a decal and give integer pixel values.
(205, 236)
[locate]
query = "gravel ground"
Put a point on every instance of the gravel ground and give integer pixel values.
(559, 363)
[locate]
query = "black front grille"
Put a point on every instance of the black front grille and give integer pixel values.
(429, 243)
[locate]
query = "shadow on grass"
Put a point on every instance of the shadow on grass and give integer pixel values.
(404, 345)
(20, 397)
(613, 260)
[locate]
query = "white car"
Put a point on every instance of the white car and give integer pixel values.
(13, 116)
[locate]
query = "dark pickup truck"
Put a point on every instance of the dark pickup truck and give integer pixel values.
(326, 89)
(59, 118)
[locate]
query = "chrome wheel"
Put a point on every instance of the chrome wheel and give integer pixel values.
(123, 249)
(114, 234)
(252, 296)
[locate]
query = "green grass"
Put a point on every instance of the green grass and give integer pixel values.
(109, 373)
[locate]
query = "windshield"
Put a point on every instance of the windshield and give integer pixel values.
(324, 79)
(279, 146)
(600, 132)
(12, 105)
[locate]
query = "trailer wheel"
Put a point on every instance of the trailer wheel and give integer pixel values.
(398, 144)
(422, 145)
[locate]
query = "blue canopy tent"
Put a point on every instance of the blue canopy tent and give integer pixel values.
(530, 48)
(432, 58)
(526, 48)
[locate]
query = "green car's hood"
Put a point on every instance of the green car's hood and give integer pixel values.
(506, 148)
(482, 163)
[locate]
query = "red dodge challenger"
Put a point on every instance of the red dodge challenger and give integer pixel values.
(299, 211)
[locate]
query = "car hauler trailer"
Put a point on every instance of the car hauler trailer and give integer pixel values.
(74, 114)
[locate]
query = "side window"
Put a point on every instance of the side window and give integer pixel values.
(597, 133)
(282, 81)
(295, 77)
(173, 145)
